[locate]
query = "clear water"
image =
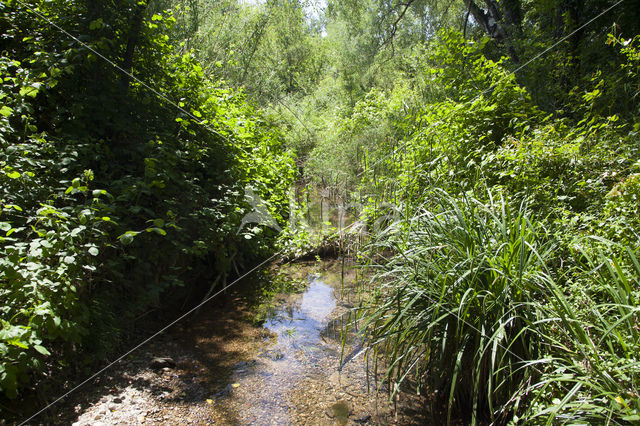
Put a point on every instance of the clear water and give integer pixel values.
(296, 349)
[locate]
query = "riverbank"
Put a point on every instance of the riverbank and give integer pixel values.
(225, 368)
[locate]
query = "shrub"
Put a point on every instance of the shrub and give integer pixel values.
(458, 297)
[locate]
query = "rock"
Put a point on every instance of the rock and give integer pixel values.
(340, 411)
(162, 362)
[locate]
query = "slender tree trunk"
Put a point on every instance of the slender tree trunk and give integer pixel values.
(500, 21)
(576, 12)
(132, 40)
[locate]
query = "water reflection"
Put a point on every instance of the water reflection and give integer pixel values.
(294, 351)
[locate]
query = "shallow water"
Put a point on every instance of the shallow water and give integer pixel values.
(230, 372)
(294, 350)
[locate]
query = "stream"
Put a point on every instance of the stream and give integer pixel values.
(224, 369)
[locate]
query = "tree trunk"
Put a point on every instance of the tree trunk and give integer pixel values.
(500, 21)
(132, 40)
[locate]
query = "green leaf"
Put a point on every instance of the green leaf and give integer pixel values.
(159, 223)
(13, 175)
(6, 111)
(17, 342)
(93, 251)
(127, 237)
(97, 24)
(31, 91)
(42, 350)
(157, 231)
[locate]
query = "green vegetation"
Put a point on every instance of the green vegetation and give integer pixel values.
(491, 147)
(112, 198)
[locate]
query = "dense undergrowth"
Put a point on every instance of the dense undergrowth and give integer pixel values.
(509, 284)
(495, 167)
(113, 200)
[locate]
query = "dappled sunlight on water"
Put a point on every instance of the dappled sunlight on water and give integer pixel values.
(294, 349)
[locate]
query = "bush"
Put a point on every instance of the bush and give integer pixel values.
(110, 198)
(457, 301)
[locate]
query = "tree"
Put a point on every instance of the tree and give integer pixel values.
(499, 20)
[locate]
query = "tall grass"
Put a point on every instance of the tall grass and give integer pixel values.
(592, 334)
(466, 304)
(456, 306)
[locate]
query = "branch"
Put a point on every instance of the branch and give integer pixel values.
(394, 26)
(466, 21)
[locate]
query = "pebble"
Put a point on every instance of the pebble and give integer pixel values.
(335, 398)
(162, 362)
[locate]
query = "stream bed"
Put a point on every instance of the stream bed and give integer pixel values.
(223, 369)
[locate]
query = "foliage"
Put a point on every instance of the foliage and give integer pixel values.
(411, 110)
(591, 333)
(266, 48)
(458, 300)
(114, 194)
(441, 313)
